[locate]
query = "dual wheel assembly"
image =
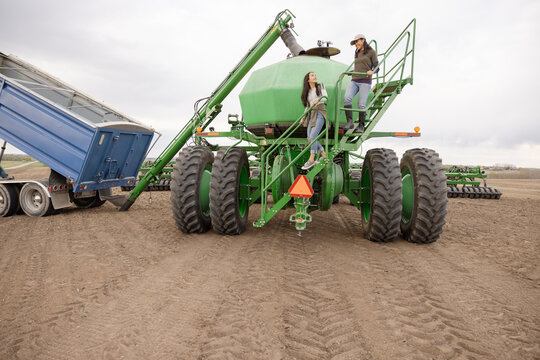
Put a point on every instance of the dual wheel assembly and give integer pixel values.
(211, 192)
(408, 196)
(31, 199)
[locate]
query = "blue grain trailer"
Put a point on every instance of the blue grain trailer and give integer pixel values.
(89, 147)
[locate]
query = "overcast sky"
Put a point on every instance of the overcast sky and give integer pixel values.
(476, 71)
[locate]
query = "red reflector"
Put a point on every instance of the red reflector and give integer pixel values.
(301, 187)
(50, 188)
(268, 131)
(55, 187)
(341, 132)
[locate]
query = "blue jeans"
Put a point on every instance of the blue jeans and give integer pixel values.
(3, 174)
(313, 132)
(361, 88)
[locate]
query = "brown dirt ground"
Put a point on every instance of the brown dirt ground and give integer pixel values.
(100, 284)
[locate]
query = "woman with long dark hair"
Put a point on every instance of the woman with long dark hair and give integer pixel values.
(316, 118)
(365, 61)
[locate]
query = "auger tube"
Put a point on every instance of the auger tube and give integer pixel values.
(204, 116)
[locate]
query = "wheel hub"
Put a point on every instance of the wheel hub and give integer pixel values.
(407, 193)
(37, 200)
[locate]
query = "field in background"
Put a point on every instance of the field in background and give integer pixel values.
(12, 160)
(8, 164)
(521, 173)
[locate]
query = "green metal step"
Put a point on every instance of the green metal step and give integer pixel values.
(391, 87)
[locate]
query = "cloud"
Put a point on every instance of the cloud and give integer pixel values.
(475, 72)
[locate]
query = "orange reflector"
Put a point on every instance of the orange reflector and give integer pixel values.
(406, 134)
(301, 187)
(199, 129)
(416, 129)
(213, 134)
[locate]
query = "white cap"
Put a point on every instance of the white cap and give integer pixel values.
(357, 37)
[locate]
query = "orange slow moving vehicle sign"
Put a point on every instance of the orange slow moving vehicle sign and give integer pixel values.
(301, 187)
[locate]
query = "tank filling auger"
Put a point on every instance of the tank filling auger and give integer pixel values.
(212, 105)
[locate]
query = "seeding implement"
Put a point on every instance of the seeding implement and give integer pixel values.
(213, 186)
(462, 182)
(161, 183)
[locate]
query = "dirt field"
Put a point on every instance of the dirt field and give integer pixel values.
(102, 284)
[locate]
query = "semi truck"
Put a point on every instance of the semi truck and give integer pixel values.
(89, 147)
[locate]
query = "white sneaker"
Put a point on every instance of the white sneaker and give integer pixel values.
(308, 165)
(320, 159)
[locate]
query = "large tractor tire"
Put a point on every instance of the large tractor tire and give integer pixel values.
(9, 200)
(381, 183)
(190, 189)
(424, 196)
(34, 200)
(229, 209)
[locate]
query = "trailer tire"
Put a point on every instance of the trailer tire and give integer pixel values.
(424, 182)
(230, 172)
(380, 176)
(9, 200)
(34, 200)
(87, 203)
(190, 188)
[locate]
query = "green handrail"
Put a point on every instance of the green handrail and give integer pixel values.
(400, 64)
(272, 148)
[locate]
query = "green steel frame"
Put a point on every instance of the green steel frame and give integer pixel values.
(388, 84)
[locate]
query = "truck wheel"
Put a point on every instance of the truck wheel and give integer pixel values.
(190, 189)
(424, 196)
(229, 192)
(87, 203)
(9, 200)
(35, 201)
(381, 183)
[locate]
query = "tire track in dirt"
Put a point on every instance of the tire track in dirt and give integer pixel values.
(319, 319)
(402, 300)
(149, 312)
(83, 249)
(514, 250)
(244, 325)
(519, 329)
(81, 294)
(17, 331)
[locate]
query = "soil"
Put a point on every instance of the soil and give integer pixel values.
(101, 284)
